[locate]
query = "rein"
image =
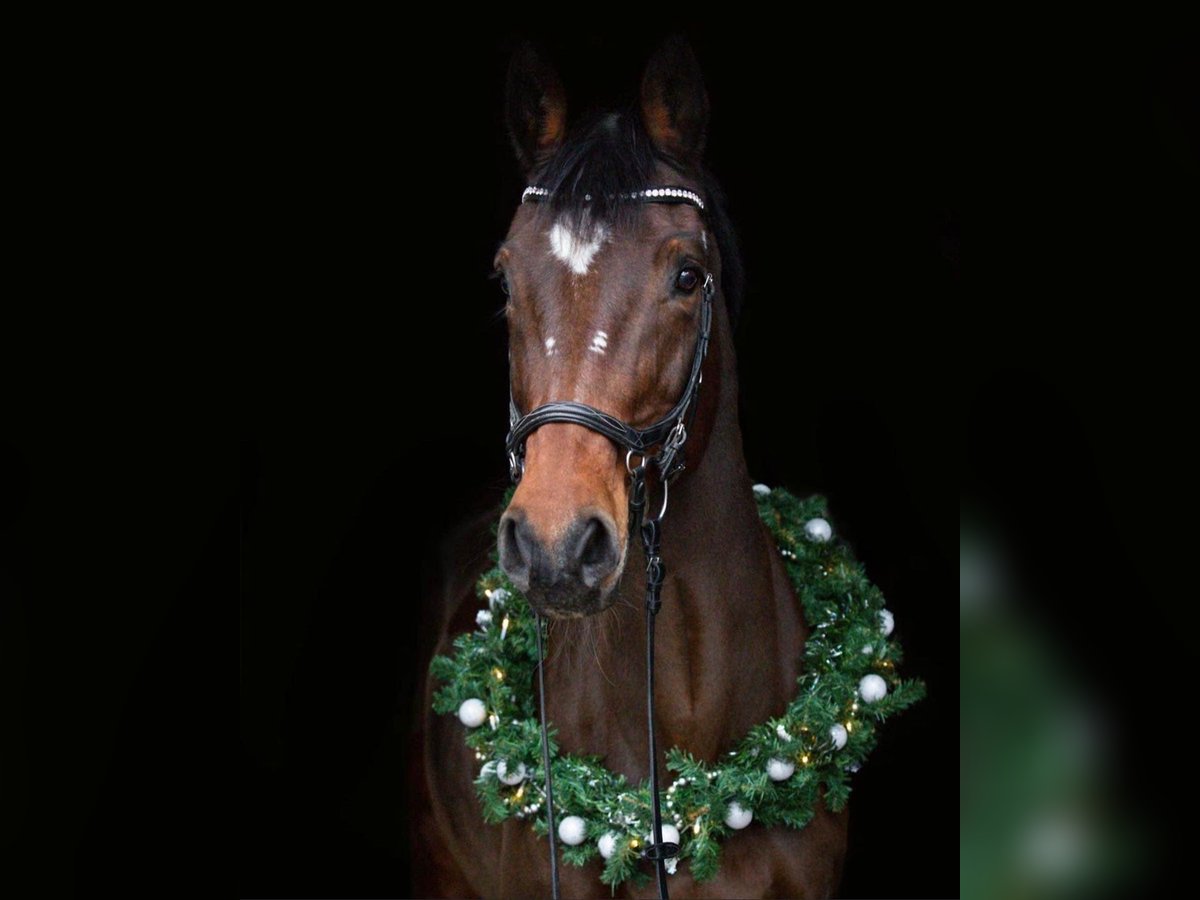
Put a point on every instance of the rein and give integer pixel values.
(668, 434)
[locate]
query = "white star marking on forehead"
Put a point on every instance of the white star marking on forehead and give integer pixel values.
(576, 253)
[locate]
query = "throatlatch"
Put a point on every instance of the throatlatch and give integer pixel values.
(669, 435)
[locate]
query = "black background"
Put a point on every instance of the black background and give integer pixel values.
(375, 182)
(851, 251)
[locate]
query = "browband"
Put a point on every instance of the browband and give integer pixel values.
(667, 194)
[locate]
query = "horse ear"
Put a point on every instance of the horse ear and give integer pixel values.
(674, 102)
(535, 107)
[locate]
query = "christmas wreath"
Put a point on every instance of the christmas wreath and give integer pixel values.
(772, 776)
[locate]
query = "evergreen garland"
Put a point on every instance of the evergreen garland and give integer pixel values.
(848, 642)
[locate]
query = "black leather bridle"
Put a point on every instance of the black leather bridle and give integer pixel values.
(668, 434)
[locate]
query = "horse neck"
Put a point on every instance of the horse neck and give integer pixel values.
(727, 636)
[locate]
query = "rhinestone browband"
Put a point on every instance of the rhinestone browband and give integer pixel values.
(658, 194)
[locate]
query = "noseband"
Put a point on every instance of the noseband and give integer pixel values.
(668, 434)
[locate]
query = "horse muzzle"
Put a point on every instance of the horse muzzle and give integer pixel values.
(566, 575)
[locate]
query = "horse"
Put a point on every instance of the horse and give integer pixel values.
(602, 304)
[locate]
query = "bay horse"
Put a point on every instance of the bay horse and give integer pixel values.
(602, 306)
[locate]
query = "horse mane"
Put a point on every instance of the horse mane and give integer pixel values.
(608, 156)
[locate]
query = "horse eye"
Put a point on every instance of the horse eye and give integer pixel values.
(687, 279)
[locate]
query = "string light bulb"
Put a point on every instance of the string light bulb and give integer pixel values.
(504, 628)
(849, 725)
(498, 673)
(804, 759)
(635, 843)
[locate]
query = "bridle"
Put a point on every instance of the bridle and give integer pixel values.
(668, 434)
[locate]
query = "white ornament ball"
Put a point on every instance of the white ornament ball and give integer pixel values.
(761, 490)
(514, 776)
(868, 650)
(483, 618)
(818, 530)
(838, 735)
(607, 844)
(670, 834)
(572, 830)
(872, 688)
(737, 816)
(887, 622)
(780, 769)
(472, 713)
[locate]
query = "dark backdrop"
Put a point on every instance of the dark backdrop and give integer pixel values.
(868, 372)
(386, 409)
(373, 181)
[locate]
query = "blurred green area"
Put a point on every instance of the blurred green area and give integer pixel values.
(1041, 812)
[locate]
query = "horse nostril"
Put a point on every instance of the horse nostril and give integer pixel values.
(516, 549)
(596, 552)
(592, 546)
